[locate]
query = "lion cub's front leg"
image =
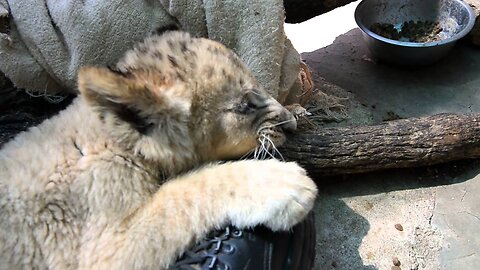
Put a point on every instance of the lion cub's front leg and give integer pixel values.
(244, 193)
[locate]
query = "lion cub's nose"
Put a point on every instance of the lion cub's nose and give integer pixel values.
(288, 120)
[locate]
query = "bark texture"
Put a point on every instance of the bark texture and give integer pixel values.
(402, 143)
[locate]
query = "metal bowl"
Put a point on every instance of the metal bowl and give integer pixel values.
(455, 17)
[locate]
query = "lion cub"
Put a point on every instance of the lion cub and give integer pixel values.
(106, 183)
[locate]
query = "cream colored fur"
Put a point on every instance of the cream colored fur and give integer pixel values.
(123, 178)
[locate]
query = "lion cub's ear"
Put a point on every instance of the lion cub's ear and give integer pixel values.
(110, 92)
(101, 86)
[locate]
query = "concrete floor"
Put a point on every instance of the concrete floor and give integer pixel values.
(438, 207)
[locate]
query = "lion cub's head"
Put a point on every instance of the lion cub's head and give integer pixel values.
(174, 97)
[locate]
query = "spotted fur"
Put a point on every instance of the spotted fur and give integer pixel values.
(126, 177)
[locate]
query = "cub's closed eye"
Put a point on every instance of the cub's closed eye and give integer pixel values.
(251, 102)
(246, 108)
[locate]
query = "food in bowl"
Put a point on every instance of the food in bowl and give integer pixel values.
(419, 31)
(455, 17)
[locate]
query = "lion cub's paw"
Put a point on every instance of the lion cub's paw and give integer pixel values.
(275, 194)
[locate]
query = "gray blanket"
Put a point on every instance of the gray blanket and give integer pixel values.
(49, 40)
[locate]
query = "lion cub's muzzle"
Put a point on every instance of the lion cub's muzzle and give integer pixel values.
(277, 122)
(287, 120)
(274, 121)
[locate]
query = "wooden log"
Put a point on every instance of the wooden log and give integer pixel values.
(401, 143)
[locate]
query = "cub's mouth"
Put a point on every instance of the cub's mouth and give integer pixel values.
(269, 120)
(270, 135)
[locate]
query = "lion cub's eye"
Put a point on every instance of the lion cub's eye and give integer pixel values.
(246, 108)
(251, 102)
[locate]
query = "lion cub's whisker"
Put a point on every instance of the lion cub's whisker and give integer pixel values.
(267, 153)
(258, 149)
(274, 148)
(266, 149)
(249, 153)
(274, 125)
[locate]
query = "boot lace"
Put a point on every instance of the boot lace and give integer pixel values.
(205, 254)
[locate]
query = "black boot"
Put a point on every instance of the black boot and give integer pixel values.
(255, 249)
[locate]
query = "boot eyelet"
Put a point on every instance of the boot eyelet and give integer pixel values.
(229, 249)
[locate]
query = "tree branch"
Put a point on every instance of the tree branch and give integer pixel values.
(402, 143)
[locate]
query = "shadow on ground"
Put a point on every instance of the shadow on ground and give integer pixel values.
(339, 234)
(344, 200)
(402, 179)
